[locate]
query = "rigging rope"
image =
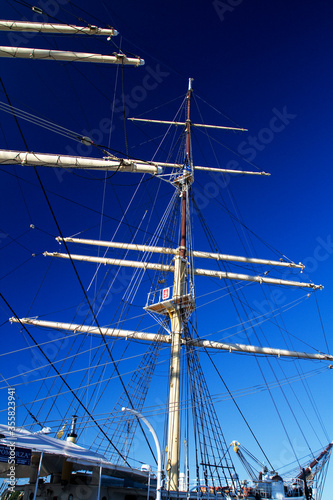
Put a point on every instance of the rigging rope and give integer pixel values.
(322, 325)
(84, 293)
(224, 265)
(238, 408)
(57, 371)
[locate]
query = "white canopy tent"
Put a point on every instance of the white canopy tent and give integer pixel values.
(55, 452)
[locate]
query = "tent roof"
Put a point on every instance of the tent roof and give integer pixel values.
(55, 452)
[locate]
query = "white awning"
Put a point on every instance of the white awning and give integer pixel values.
(55, 451)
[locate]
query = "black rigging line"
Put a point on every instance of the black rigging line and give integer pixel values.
(124, 108)
(57, 129)
(283, 329)
(25, 407)
(234, 218)
(15, 268)
(22, 2)
(43, 231)
(54, 402)
(196, 96)
(87, 300)
(102, 22)
(59, 374)
(90, 306)
(238, 408)
(210, 238)
(49, 389)
(78, 349)
(20, 187)
(80, 204)
(167, 103)
(212, 138)
(322, 325)
(275, 322)
(15, 240)
(96, 353)
(69, 369)
(31, 7)
(210, 436)
(215, 248)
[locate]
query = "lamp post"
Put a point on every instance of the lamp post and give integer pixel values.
(159, 457)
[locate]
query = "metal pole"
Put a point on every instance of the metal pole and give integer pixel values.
(99, 483)
(158, 449)
(38, 472)
(148, 490)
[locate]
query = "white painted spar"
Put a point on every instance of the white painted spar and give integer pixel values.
(175, 251)
(65, 29)
(196, 272)
(166, 339)
(165, 122)
(66, 55)
(71, 162)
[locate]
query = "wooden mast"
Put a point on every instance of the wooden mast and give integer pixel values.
(177, 317)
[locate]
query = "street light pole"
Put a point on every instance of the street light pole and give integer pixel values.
(159, 456)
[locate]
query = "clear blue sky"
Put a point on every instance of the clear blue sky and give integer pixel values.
(267, 67)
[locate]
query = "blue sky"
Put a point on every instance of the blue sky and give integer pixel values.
(265, 67)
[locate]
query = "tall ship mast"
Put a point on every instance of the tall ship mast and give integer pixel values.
(50, 461)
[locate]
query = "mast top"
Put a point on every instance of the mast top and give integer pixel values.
(190, 80)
